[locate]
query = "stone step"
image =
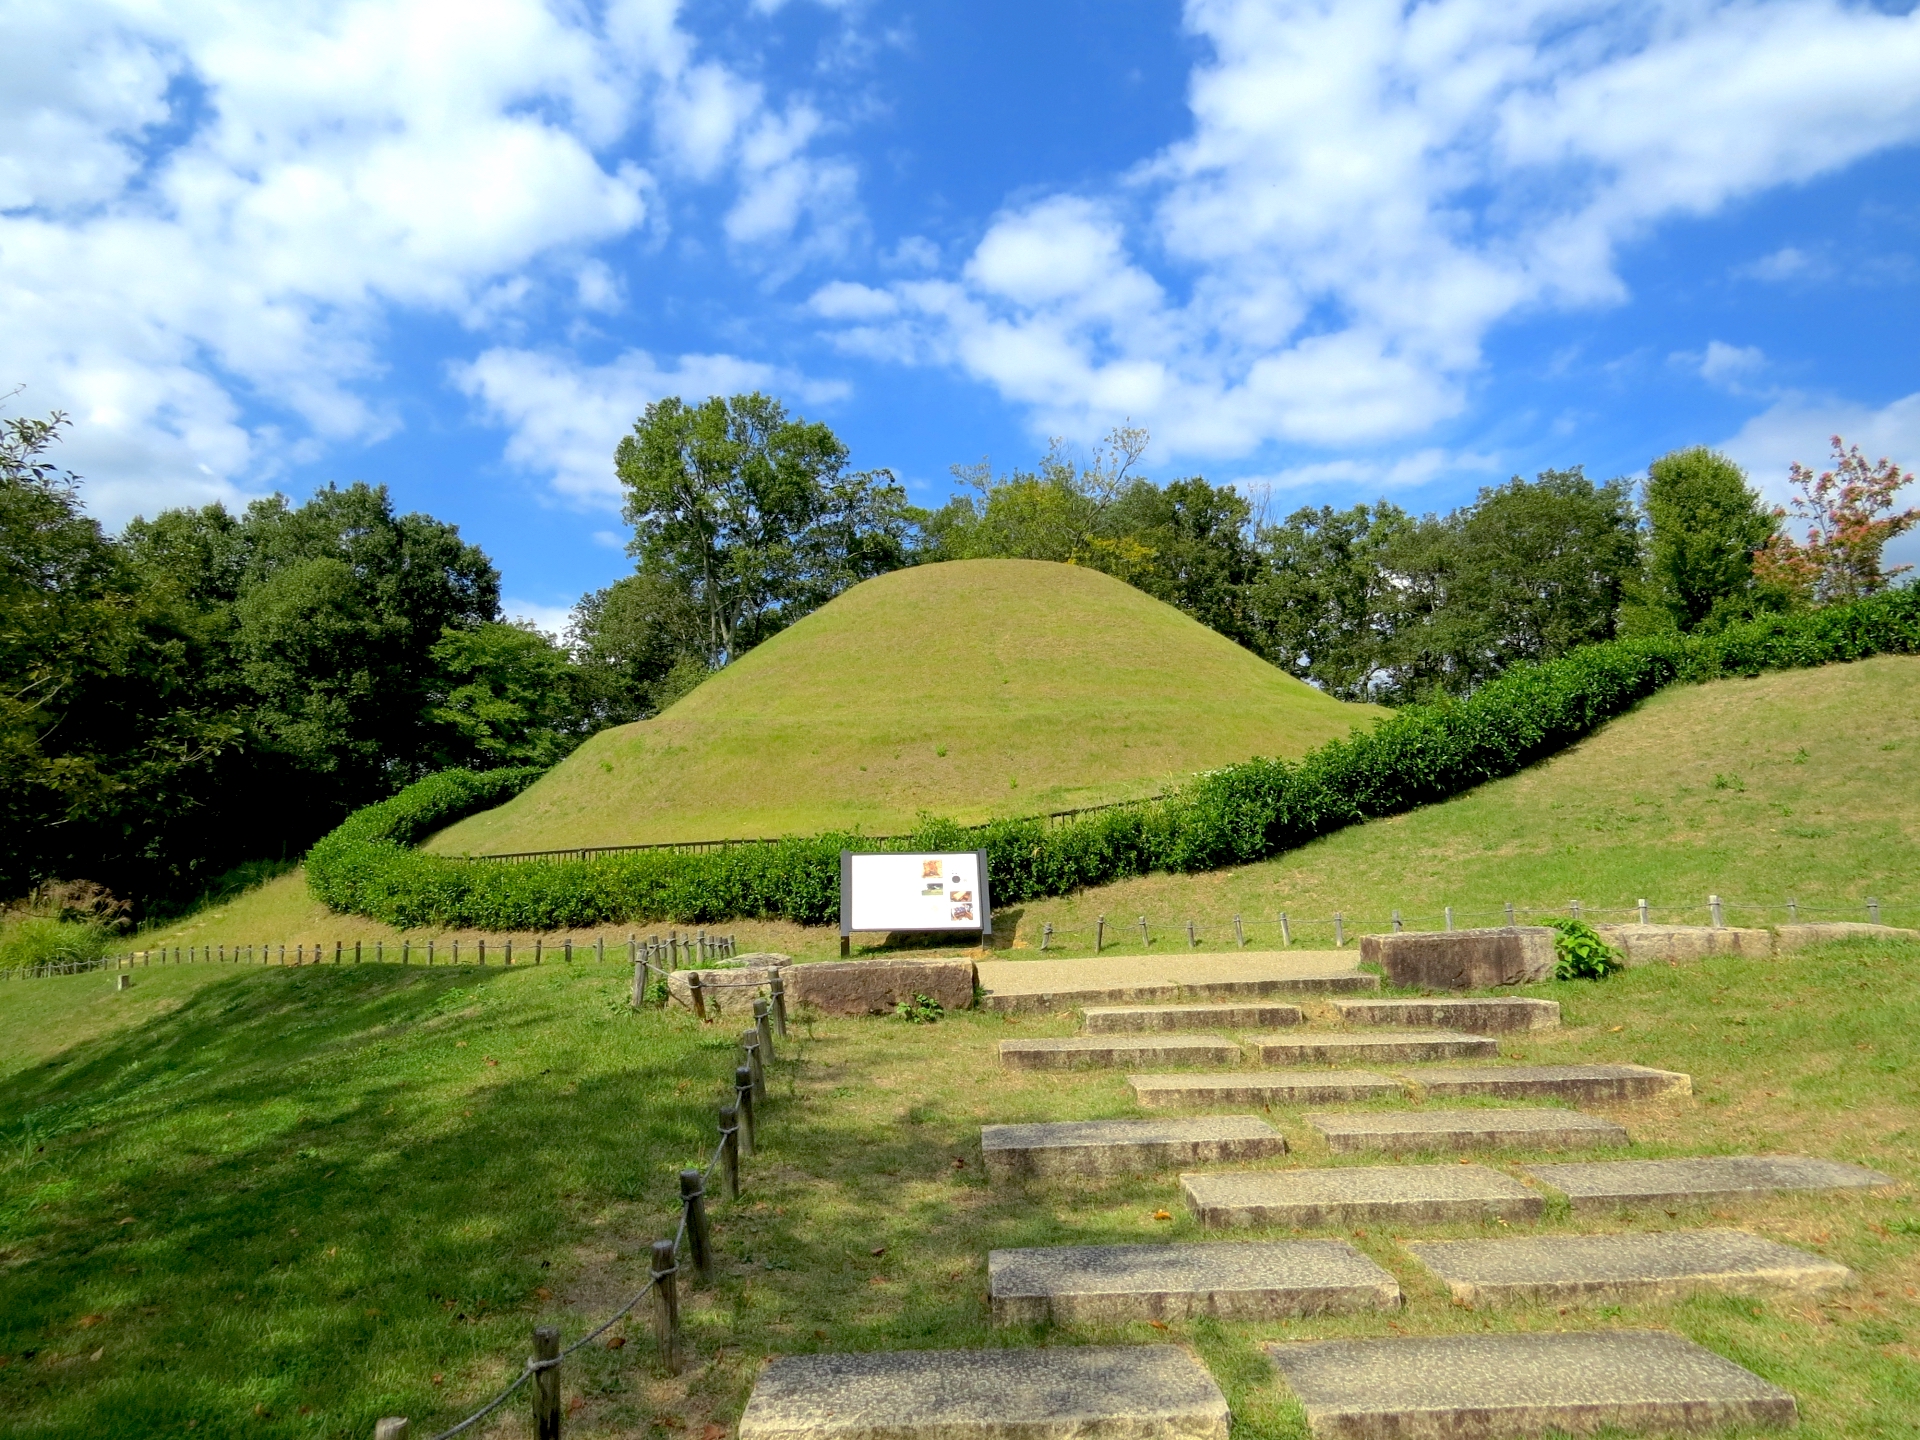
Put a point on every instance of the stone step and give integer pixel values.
(1380, 1047)
(1087, 1052)
(1475, 1017)
(1707, 1179)
(1355, 1195)
(1125, 1147)
(1165, 1092)
(1580, 1084)
(1114, 1284)
(1623, 1269)
(1028, 985)
(1479, 1387)
(1405, 1130)
(1064, 1392)
(1137, 1019)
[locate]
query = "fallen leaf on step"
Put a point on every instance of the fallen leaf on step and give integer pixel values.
(714, 1432)
(542, 1293)
(1158, 1324)
(616, 1342)
(438, 1378)
(1162, 1215)
(1615, 1029)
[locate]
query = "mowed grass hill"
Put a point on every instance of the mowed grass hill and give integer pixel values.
(1801, 783)
(968, 690)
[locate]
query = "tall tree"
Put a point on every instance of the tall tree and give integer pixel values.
(1706, 523)
(1849, 518)
(755, 517)
(639, 646)
(1324, 603)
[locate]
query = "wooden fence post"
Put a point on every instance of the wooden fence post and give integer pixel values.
(1239, 934)
(1286, 930)
(1339, 929)
(693, 1202)
(1397, 926)
(639, 984)
(1145, 938)
(1099, 933)
(666, 1306)
(730, 1149)
(777, 988)
(743, 1105)
(763, 1026)
(1509, 914)
(756, 1068)
(1873, 911)
(697, 992)
(1192, 940)
(1449, 919)
(546, 1383)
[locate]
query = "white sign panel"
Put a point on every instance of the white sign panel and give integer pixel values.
(914, 892)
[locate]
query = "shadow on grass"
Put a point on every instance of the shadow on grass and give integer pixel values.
(305, 1199)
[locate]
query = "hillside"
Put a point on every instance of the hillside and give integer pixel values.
(1634, 810)
(971, 689)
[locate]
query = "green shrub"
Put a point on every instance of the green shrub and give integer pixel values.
(39, 939)
(1231, 816)
(921, 1010)
(1580, 953)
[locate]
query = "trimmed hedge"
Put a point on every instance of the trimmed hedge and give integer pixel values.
(1241, 813)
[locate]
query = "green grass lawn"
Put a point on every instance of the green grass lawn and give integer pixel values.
(1803, 783)
(335, 1207)
(970, 689)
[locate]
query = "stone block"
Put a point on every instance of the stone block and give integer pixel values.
(1657, 944)
(1114, 1284)
(1372, 1047)
(1799, 937)
(1623, 1269)
(1356, 1195)
(1475, 1017)
(1064, 1392)
(1124, 1147)
(1142, 1019)
(1490, 1387)
(874, 987)
(1462, 959)
(1031, 985)
(733, 989)
(1706, 1179)
(1084, 1052)
(1162, 1092)
(1579, 1084)
(1400, 1131)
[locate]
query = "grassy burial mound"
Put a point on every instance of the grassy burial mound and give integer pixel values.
(968, 690)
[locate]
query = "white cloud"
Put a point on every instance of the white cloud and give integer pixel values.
(209, 298)
(1787, 263)
(549, 619)
(1371, 186)
(566, 418)
(1383, 473)
(1721, 364)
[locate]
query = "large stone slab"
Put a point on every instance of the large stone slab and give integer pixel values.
(1377, 1047)
(1474, 1016)
(1125, 1147)
(1716, 1179)
(1799, 937)
(1165, 1092)
(1029, 985)
(1486, 1387)
(1113, 1284)
(1085, 1052)
(1145, 1019)
(1462, 959)
(1580, 1084)
(874, 987)
(730, 989)
(1064, 1392)
(1655, 944)
(1623, 1269)
(1401, 1131)
(1357, 1195)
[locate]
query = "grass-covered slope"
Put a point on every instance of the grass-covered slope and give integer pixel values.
(1801, 783)
(969, 690)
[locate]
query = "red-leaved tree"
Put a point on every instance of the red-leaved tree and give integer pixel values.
(1848, 512)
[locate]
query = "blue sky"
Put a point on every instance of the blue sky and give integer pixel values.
(1326, 252)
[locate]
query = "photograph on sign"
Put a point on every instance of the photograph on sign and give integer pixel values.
(914, 892)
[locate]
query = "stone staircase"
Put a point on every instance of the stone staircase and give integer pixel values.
(1461, 1387)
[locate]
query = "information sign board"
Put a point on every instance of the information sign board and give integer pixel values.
(914, 892)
